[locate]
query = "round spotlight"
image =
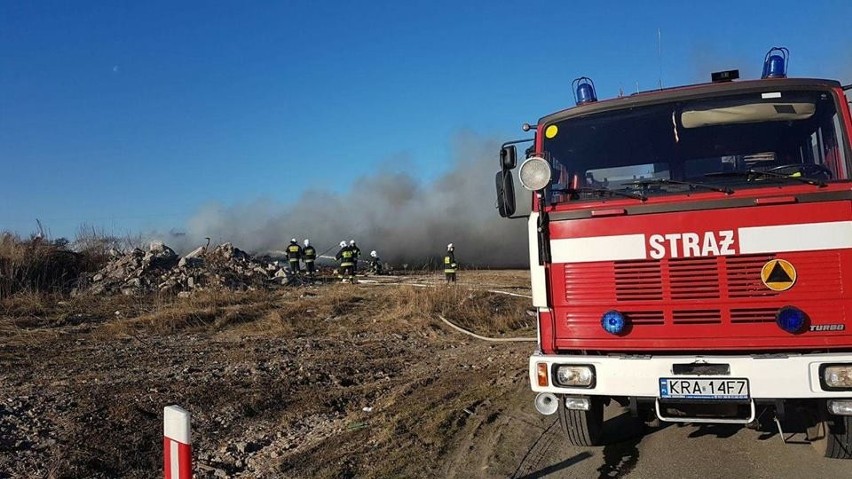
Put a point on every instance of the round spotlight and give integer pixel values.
(535, 173)
(791, 319)
(613, 322)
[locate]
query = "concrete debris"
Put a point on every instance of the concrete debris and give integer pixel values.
(160, 269)
(196, 253)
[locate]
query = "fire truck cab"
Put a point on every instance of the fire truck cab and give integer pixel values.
(691, 255)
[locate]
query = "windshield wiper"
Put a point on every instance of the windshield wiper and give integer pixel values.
(602, 191)
(751, 174)
(692, 186)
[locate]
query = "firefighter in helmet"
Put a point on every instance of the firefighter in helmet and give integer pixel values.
(347, 261)
(309, 254)
(294, 254)
(356, 253)
(450, 265)
(375, 263)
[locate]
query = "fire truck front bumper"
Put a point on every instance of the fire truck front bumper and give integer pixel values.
(747, 377)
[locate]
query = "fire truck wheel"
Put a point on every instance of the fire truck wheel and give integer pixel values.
(837, 440)
(583, 428)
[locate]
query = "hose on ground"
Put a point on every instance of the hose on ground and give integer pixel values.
(485, 338)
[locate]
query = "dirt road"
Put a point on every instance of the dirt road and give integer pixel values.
(683, 451)
(329, 381)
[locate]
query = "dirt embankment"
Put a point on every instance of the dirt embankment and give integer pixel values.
(320, 381)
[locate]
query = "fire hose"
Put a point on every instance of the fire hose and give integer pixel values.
(484, 338)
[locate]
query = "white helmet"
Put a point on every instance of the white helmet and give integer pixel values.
(293, 240)
(373, 253)
(343, 244)
(450, 246)
(307, 242)
(351, 242)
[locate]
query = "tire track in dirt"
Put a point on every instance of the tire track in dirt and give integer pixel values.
(537, 453)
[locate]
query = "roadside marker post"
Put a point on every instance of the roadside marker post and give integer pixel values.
(177, 448)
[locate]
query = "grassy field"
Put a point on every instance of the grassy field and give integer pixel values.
(334, 380)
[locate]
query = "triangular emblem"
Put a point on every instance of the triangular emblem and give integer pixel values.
(778, 275)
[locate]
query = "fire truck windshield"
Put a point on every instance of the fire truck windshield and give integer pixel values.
(722, 143)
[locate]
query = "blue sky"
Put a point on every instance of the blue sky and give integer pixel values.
(133, 115)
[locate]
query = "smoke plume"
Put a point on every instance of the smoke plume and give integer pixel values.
(405, 219)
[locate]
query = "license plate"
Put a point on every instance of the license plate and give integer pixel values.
(704, 388)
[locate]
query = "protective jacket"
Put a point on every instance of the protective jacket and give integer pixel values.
(346, 257)
(294, 252)
(376, 265)
(450, 265)
(309, 254)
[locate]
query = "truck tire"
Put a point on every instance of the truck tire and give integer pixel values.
(838, 437)
(583, 428)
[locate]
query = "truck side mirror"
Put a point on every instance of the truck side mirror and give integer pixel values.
(505, 193)
(508, 157)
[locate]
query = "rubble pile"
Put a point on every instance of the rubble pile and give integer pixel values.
(160, 269)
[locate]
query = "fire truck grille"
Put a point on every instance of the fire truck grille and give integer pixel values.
(672, 279)
(697, 292)
(682, 279)
(755, 315)
(638, 281)
(694, 278)
(697, 316)
(743, 275)
(645, 317)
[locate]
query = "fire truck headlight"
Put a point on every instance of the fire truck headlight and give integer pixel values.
(791, 319)
(837, 376)
(613, 322)
(575, 376)
(842, 407)
(535, 173)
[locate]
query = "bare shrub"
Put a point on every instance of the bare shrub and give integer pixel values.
(96, 246)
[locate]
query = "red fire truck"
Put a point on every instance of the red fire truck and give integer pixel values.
(691, 255)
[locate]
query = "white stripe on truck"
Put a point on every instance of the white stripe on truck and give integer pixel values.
(598, 248)
(749, 240)
(801, 237)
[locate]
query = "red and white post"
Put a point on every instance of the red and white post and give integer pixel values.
(177, 449)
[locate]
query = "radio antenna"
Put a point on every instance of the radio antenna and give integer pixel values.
(660, 54)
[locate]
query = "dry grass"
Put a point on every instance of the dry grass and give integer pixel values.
(27, 303)
(205, 310)
(29, 317)
(328, 310)
(36, 265)
(36, 276)
(333, 310)
(470, 308)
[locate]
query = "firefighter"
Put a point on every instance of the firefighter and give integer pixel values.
(356, 253)
(450, 265)
(309, 255)
(346, 258)
(294, 254)
(375, 263)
